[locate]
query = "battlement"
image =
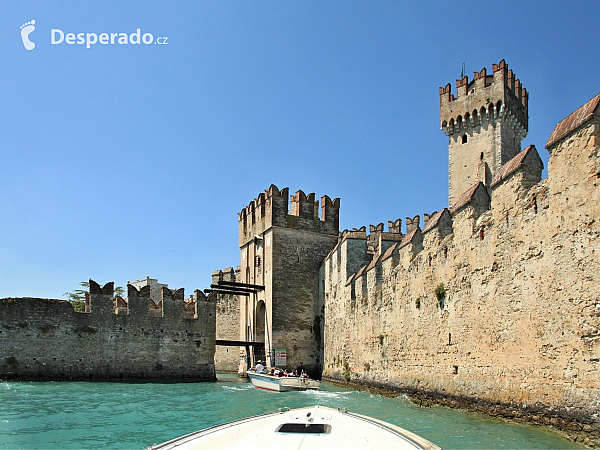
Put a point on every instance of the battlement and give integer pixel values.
(357, 253)
(485, 125)
(484, 99)
(118, 339)
(270, 209)
(140, 302)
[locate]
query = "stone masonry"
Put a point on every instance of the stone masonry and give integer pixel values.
(227, 359)
(495, 303)
(485, 125)
(282, 249)
(43, 339)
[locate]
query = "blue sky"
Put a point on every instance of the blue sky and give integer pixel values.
(122, 161)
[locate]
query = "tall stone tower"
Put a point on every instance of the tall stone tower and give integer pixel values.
(485, 124)
(283, 250)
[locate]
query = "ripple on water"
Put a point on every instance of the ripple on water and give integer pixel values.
(120, 415)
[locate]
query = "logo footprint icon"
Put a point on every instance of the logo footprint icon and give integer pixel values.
(26, 30)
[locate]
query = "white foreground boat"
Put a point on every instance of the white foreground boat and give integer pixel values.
(282, 384)
(311, 428)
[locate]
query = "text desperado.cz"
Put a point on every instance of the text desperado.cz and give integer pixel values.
(58, 36)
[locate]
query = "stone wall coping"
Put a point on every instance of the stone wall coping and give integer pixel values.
(466, 198)
(373, 263)
(513, 165)
(573, 121)
(388, 253)
(433, 221)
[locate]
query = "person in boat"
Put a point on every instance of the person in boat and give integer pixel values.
(259, 367)
(300, 369)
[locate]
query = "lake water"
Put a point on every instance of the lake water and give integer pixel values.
(75, 415)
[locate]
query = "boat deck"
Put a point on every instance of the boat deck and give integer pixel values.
(310, 428)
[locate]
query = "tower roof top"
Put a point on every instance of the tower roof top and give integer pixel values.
(573, 121)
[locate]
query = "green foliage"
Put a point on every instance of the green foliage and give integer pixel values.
(418, 303)
(77, 297)
(347, 372)
(78, 305)
(119, 291)
(78, 294)
(440, 293)
(158, 366)
(11, 361)
(198, 343)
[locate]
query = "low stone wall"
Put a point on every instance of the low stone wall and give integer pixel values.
(42, 339)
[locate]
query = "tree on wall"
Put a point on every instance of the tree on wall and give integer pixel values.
(77, 297)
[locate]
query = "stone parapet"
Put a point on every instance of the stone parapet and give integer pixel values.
(45, 339)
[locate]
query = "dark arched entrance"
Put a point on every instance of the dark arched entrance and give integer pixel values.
(260, 315)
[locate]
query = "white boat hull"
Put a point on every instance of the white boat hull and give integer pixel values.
(312, 428)
(282, 384)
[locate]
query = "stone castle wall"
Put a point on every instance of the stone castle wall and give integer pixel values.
(227, 358)
(42, 339)
(296, 311)
(503, 307)
(282, 249)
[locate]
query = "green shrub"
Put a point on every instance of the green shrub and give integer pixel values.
(440, 293)
(347, 372)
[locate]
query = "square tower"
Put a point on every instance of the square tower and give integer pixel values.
(282, 249)
(485, 125)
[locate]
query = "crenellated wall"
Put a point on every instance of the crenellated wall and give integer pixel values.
(44, 339)
(271, 209)
(281, 250)
(485, 125)
(495, 302)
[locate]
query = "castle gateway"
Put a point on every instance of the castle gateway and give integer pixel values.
(282, 249)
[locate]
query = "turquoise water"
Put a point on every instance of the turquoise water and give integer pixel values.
(75, 415)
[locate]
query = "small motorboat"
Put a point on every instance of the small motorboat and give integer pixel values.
(282, 384)
(311, 428)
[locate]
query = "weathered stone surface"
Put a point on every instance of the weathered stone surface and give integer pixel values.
(282, 250)
(43, 339)
(227, 359)
(516, 317)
